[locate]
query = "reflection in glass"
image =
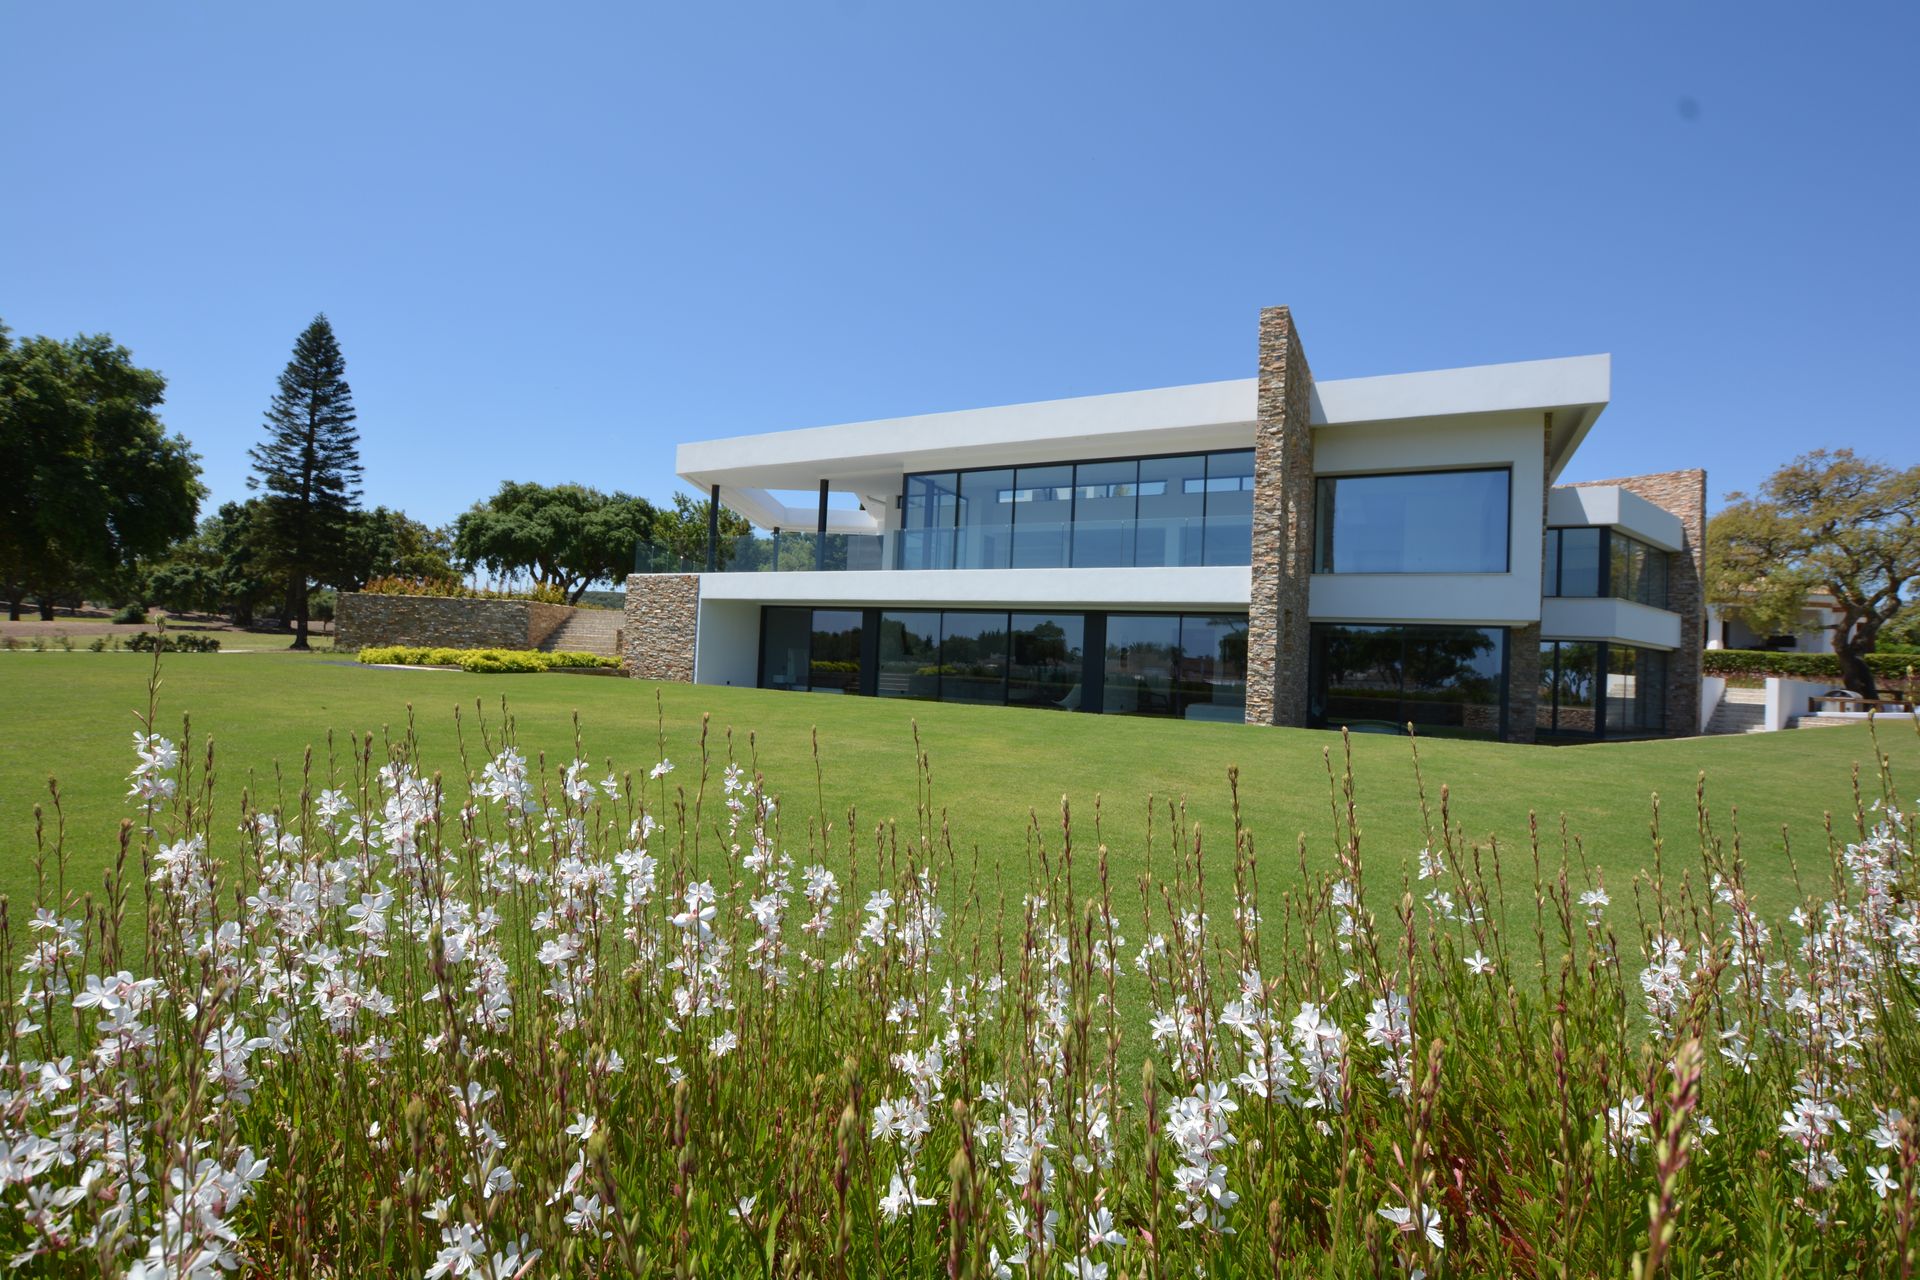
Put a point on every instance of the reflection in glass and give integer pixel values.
(1579, 562)
(1141, 649)
(1229, 527)
(785, 639)
(835, 663)
(1105, 494)
(927, 517)
(1429, 522)
(909, 655)
(1550, 571)
(1048, 655)
(984, 539)
(973, 657)
(1211, 679)
(1043, 517)
(1173, 500)
(1446, 681)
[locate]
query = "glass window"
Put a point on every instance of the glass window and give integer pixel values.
(785, 640)
(973, 657)
(1446, 681)
(1655, 591)
(1453, 680)
(1048, 659)
(1211, 677)
(1550, 570)
(835, 663)
(1173, 503)
(1620, 567)
(1042, 517)
(1579, 562)
(1636, 690)
(1104, 499)
(1426, 522)
(1229, 523)
(1576, 683)
(1543, 707)
(909, 655)
(984, 539)
(1141, 651)
(927, 519)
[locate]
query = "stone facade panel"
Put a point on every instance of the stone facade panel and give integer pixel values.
(1277, 628)
(663, 615)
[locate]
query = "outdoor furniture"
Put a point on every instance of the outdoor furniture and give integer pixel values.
(1855, 703)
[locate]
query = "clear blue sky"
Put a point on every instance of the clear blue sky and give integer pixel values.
(556, 239)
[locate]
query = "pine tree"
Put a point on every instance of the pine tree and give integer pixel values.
(309, 466)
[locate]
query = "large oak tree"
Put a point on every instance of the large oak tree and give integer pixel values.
(1827, 521)
(566, 536)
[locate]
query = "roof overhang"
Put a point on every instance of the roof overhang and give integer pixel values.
(868, 458)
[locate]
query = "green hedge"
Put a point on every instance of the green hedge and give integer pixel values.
(1800, 666)
(183, 642)
(485, 661)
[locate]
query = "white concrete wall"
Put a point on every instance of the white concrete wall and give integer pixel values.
(1213, 587)
(1514, 440)
(1712, 690)
(1609, 504)
(1604, 618)
(1787, 699)
(727, 647)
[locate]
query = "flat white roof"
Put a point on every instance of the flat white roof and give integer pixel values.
(868, 458)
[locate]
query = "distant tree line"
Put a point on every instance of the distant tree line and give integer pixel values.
(98, 503)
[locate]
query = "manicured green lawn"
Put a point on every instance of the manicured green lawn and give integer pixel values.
(72, 715)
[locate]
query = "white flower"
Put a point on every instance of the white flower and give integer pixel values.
(661, 770)
(1402, 1217)
(1478, 964)
(901, 1197)
(1879, 1179)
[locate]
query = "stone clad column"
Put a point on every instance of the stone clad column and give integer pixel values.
(1277, 634)
(663, 613)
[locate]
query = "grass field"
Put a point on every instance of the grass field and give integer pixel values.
(993, 769)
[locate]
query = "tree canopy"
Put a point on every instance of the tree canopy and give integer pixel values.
(385, 543)
(93, 481)
(682, 533)
(1827, 521)
(309, 467)
(566, 536)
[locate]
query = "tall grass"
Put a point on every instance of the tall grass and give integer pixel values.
(493, 1017)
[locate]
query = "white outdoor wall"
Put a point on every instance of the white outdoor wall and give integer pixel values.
(1609, 504)
(1515, 440)
(1595, 618)
(1787, 699)
(1220, 586)
(727, 646)
(1712, 690)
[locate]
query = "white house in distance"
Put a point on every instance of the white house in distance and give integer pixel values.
(1728, 627)
(1365, 552)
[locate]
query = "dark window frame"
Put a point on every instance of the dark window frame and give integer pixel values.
(1506, 543)
(907, 478)
(1609, 590)
(1603, 667)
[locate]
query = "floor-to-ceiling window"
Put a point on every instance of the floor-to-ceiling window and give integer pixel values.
(1446, 681)
(1588, 560)
(1048, 659)
(811, 649)
(1181, 510)
(909, 654)
(1592, 689)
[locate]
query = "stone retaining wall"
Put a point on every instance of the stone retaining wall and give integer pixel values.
(363, 619)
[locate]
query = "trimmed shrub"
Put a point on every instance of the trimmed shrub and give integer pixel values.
(185, 642)
(484, 661)
(130, 615)
(1799, 666)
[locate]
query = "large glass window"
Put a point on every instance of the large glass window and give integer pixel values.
(1589, 689)
(909, 655)
(1186, 510)
(1105, 499)
(1049, 657)
(973, 657)
(835, 664)
(1569, 687)
(927, 521)
(1141, 651)
(1229, 519)
(984, 539)
(786, 640)
(1592, 561)
(1447, 681)
(1212, 667)
(1636, 690)
(1173, 505)
(1418, 522)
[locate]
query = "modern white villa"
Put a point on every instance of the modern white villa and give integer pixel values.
(1363, 553)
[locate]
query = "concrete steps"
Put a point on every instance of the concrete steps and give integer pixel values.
(587, 631)
(1740, 711)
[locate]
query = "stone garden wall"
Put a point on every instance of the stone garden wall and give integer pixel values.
(362, 620)
(663, 615)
